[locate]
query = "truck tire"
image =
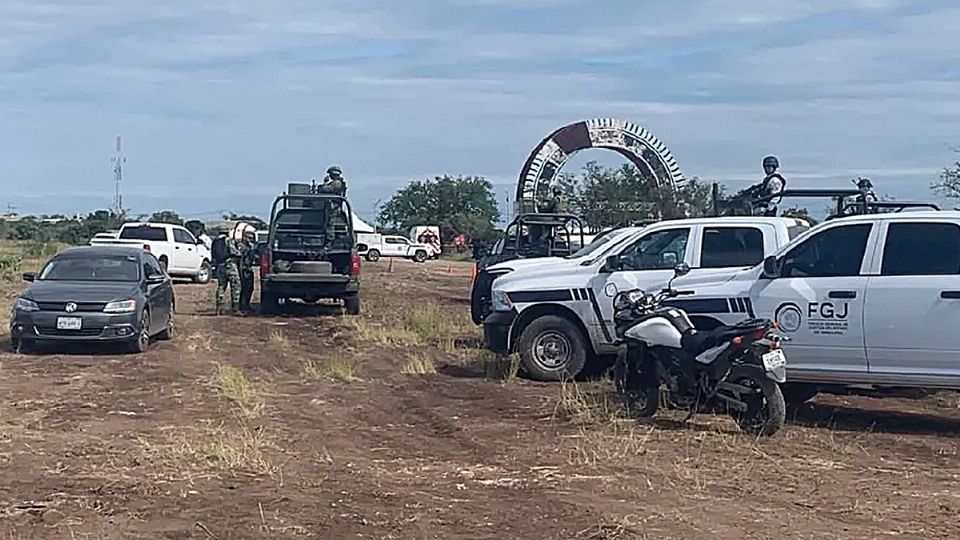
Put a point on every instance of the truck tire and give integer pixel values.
(552, 348)
(351, 305)
(373, 255)
(269, 303)
(203, 274)
(420, 256)
(164, 263)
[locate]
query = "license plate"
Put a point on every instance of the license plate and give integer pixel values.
(774, 359)
(69, 323)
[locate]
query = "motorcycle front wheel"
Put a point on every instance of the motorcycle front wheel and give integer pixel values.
(642, 401)
(766, 409)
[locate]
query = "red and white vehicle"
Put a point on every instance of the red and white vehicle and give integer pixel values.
(179, 252)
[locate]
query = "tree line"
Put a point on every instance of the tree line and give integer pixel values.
(601, 196)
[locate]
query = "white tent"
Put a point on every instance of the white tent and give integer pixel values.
(361, 226)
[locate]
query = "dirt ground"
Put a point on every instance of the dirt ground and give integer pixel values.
(316, 425)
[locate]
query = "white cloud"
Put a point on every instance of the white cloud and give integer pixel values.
(211, 92)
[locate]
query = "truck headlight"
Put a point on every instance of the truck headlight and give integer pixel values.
(501, 301)
(121, 306)
(26, 305)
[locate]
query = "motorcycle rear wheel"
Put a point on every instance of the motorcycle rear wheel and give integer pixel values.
(766, 409)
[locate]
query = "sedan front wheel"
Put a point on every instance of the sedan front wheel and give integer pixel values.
(142, 340)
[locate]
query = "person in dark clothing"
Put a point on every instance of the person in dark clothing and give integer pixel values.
(248, 261)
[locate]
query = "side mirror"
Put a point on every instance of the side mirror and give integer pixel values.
(29, 276)
(613, 263)
(771, 268)
(155, 279)
(681, 270)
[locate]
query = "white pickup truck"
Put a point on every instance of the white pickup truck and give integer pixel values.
(557, 314)
(179, 252)
(866, 300)
(373, 246)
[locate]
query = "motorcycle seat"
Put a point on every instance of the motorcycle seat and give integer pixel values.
(696, 342)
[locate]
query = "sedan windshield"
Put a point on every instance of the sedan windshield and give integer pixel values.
(92, 269)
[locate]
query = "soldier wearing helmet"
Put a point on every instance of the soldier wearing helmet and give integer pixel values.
(771, 186)
(334, 182)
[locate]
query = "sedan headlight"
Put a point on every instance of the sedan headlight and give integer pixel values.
(121, 306)
(26, 305)
(501, 301)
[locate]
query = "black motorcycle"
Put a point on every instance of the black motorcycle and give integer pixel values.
(734, 369)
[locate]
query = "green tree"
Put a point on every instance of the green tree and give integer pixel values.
(166, 216)
(606, 197)
(457, 204)
(195, 226)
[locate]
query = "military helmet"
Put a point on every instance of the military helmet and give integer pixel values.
(771, 161)
(334, 171)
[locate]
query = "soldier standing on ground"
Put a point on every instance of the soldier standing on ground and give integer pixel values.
(228, 275)
(248, 260)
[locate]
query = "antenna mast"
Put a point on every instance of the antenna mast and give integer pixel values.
(118, 161)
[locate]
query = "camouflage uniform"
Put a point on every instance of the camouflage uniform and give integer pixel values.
(247, 261)
(228, 274)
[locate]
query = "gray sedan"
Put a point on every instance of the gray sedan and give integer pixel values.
(97, 294)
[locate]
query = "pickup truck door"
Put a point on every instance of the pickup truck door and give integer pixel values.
(186, 256)
(392, 247)
(647, 263)
(913, 306)
(818, 299)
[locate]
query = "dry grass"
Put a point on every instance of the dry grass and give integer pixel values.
(380, 333)
(503, 368)
(240, 448)
(625, 528)
(231, 383)
(418, 364)
(946, 399)
(278, 340)
(340, 368)
(199, 342)
(608, 445)
(586, 407)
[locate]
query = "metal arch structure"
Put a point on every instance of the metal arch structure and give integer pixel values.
(648, 154)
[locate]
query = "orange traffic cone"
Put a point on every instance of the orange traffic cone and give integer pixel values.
(449, 268)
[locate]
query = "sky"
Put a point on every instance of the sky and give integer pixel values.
(220, 103)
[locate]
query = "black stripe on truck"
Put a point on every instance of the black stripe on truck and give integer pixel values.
(526, 297)
(703, 305)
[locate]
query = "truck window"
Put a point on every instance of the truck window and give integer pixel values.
(393, 240)
(181, 236)
(144, 232)
(921, 249)
(731, 246)
(657, 251)
(832, 253)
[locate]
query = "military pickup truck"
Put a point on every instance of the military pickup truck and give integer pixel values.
(310, 253)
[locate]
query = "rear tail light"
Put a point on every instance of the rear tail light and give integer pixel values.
(355, 265)
(146, 247)
(265, 263)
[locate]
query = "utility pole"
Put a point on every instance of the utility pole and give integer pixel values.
(118, 161)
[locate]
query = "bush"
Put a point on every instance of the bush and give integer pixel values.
(10, 267)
